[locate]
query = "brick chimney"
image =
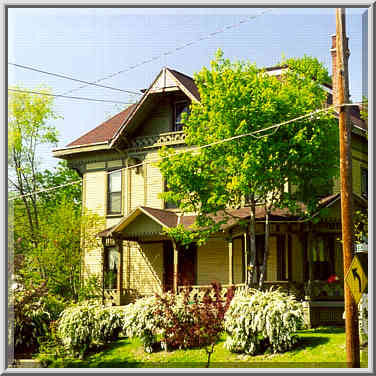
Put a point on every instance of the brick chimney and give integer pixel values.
(333, 52)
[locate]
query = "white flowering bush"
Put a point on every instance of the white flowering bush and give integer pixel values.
(363, 317)
(141, 320)
(173, 318)
(257, 319)
(84, 325)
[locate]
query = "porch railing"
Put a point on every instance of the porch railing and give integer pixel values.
(323, 290)
(168, 138)
(291, 288)
(198, 288)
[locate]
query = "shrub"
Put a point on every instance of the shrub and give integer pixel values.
(257, 319)
(90, 289)
(88, 324)
(31, 318)
(363, 318)
(185, 320)
(193, 319)
(141, 320)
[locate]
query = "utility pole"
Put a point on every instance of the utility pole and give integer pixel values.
(351, 311)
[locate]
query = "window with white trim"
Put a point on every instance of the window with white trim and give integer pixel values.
(114, 192)
(180, 108)
(112, 265)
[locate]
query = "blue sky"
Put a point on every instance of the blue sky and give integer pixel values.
(92, 43)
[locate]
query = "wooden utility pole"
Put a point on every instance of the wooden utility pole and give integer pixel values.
(351, 312)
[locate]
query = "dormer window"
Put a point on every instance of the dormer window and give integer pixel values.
(114, 193)
(179, 108)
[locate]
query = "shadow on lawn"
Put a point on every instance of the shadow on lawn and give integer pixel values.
(108, 358)
(304, 342)
(329, 330)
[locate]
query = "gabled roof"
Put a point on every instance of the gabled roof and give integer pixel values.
(187, 82)
(164, 218)
(104, 131)
(166, 80)
(109, 131)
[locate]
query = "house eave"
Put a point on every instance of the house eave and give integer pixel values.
(63, 152)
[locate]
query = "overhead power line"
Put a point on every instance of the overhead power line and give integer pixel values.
(210, 35)
(73, 79)
(68, 97)
(275, 127)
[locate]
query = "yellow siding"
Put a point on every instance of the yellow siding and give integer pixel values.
(112, 221)
(137, 189)
(96, 165)
(154, 184)
(159, 121)
(212, 262)
(114, 164)
(96, 188)
(359, 160)
(143, 267)
(356, 172)
(92, 263)
(237, 261)
(142, 224)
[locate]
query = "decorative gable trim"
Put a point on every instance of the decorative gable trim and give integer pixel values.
(165, 81)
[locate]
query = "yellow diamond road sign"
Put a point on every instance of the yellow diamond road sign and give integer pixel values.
(356, 277)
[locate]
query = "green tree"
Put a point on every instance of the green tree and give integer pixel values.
(29, 117)
(61, 175)
(56, 260)
(236, 99)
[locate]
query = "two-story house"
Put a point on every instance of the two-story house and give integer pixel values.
(120, 182)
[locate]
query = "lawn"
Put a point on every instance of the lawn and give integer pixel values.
(322, 347)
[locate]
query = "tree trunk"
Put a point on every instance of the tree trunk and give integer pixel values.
(252, 237)
(266, 249)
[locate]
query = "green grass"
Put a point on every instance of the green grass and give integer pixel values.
(323, 347)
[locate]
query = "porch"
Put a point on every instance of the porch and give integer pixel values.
(304, 259)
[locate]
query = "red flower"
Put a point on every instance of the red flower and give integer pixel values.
(333, 278)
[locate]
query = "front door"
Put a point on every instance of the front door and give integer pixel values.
(186, 265)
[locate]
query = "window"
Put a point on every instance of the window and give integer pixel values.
(364, 182)
(114, 193)
(323, 257)
(112, 262)
(180, 108)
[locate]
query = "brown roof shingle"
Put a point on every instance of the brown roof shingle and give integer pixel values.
(187, 82)
(104, 131)
(168, 218)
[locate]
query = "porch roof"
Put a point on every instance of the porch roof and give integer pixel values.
(169, 219)
(157, 219)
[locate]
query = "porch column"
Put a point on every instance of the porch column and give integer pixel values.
(230, 261)
(310, 258)
(310, 265)
(119, 243)
(244, 255)
(175, 279)
(103, 266)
